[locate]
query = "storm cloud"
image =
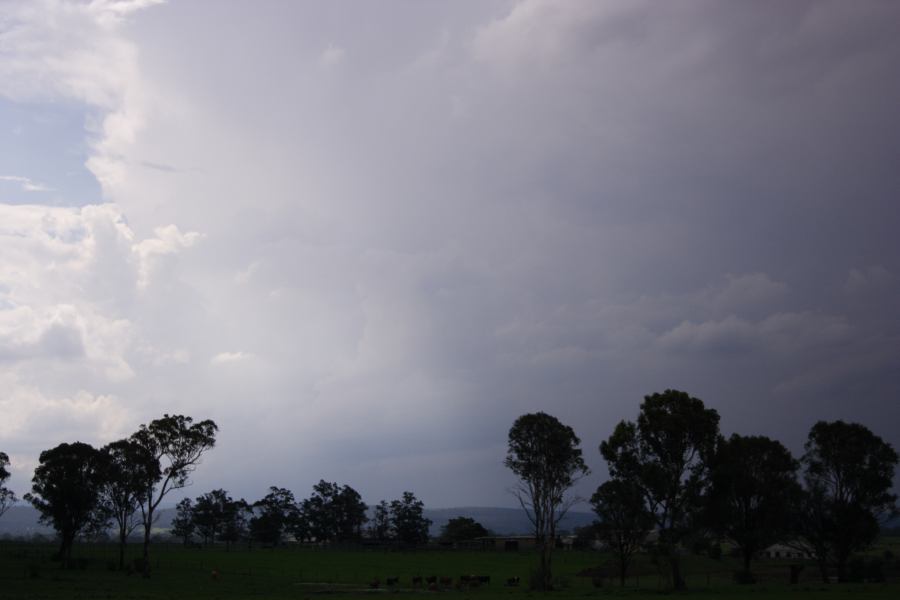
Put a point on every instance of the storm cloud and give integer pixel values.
(364, 238)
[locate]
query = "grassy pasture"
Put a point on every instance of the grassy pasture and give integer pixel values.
(26, 572)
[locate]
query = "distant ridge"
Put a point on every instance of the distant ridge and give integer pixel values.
(23, 520)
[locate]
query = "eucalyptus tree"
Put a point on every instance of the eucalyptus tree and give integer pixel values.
(126, 467)
(544, 454)
(66, 490)
(668, 454)
(408, 522)
(174, 445)
(273, 515)
(624, 520)
(754, 489)
(848, 476)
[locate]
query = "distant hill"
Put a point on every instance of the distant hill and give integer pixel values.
(23, 520)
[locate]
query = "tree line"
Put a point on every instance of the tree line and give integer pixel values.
(82, 491)
(332, 513)
(673, 473)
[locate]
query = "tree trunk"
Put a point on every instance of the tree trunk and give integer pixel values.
(122, 539)
(546, 565)
(678, 581)
(148, 524)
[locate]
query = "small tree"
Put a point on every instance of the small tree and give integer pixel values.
(7, 497)
(66, 491)
(668, 453)
(408, 522)
(624, 520)
(754, 489)
(849, 474)
(544, 455)
(381, 522)
(183, 524)
(173, 445)
(461, 529)
(126, 467)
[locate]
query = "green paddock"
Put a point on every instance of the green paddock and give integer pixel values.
(27, 571)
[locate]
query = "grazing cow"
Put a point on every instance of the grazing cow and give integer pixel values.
(375, 583)
(392, 581)
(417, 581)
(482, 578)
(214, 574)
(446, 581)
(431, 579)
(465, 579)
(513, 582)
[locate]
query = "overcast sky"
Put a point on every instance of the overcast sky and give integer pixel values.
(364, 237)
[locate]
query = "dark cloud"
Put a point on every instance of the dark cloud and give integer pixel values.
(419, 224)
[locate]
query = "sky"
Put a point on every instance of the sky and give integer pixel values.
(364, 237)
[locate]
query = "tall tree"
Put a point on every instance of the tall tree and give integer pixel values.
(544, 455)
(274, 514)
(183, 525)
(754, 489)
(7, 497)
(126, 467)
(66, 491)
(668, 453)
(174, 445)
(408, 520)
(849, 472)
(624, 520)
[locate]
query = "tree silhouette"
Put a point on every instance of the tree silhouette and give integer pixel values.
(274, 514)
(848, 472)
(333, 512)
(173, 445)
(7, 497)
(754, 489)
(461, 529)
(624, 520)
(544, 455)
(126, 467)
(668, 454)
(408, 522)
(183, 525)
(66, 491)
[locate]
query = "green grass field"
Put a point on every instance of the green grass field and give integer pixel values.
(26, 571)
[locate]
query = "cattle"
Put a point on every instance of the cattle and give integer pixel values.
(431, 579)
(375, 583)
(417, 581)
(446, 582)
(512, 582)
(392, 581)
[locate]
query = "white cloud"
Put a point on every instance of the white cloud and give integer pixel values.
(223, 358)
(26, 184)
(332, 56)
